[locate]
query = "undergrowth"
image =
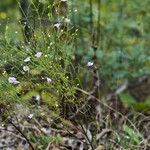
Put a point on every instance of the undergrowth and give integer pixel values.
(64, 66)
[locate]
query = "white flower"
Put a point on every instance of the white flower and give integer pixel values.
(13, 80)
(37, 98)
(26, 68)
(67, 20)
(30, 116)
(90, 64)
(46, 130)
(27, 59)
(57, 25)
(38, 54)
(49, 80)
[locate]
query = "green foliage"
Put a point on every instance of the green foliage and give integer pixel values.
(54, 64)
(128, 100)
(131, 138)
(122, 29)
(123, 51)
(42, 141)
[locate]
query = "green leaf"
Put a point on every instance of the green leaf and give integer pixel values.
(128, 99)
(134, 137)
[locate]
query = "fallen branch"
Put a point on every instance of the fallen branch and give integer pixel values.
(104, 131)
(31, 146)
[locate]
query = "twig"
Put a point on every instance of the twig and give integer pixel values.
(104, 104)
(48, 147)
(84, 132)
(12, 132)
(19, 130)
(31, 146)
(32, 127)
(104, 131)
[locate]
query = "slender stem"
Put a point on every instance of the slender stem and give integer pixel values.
(91, 16)
(86, 136)
(109, 107)
(18, 129)
(98, 22)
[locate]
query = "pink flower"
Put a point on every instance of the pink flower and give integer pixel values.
(30, 116)
(13, 80)
(38, 54)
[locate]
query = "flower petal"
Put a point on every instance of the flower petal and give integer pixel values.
(38, 54)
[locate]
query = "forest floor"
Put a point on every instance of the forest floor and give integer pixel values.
(40, 129)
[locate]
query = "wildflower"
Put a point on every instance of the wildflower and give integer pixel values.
(26, 68)
(90, 64)
(13, 80)
(49, 80)
(75, 10)
(38, 54)
(67, 20)
(57, 25)
(27, 59)
(30, 116)
(38, 99)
